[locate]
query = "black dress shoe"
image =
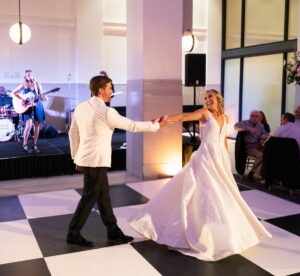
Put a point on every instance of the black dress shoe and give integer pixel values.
(79, 240)
(116, 234)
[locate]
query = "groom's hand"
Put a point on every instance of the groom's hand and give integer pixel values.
(156, 120)
(163, 121)
(77, 168)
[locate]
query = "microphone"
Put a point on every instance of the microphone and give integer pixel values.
(116, 93)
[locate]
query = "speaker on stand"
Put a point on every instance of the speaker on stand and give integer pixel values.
(195, 75)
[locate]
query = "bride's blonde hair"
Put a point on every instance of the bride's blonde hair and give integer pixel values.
(220, 100)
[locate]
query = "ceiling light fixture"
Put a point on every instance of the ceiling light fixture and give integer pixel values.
(189, 42)
(19, 32)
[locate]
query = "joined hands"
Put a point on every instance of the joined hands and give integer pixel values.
(163, 121)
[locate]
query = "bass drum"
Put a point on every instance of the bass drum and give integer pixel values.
(7, 130)
(3, 113)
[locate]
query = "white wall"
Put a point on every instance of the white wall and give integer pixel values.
(200, 23)
(49, 52)
(114, 41)
(89, 39)
(213, 60)
(65, 49)
(114, 11)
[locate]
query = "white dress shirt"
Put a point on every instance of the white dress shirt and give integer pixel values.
(91, 132)
(289, 130)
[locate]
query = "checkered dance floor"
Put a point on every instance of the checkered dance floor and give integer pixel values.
(33, 230)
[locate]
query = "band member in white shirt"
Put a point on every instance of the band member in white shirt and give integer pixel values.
(90, 137)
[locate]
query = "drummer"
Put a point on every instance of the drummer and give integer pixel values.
(2, 91)
(33, 115)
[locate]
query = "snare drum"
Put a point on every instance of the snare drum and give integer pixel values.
(11, 113)
(7, 130)
(3, 112)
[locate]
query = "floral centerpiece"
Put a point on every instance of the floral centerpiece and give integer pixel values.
(292, 68)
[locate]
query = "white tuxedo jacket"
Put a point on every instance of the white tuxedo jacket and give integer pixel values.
(91, 132)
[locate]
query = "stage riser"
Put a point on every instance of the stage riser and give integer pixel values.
(50, 165)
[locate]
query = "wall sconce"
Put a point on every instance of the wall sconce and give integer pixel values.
(189, 42)
(19, 32)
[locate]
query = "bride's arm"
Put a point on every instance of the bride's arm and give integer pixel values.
(193, 116)
(226, 143)
(228, 122)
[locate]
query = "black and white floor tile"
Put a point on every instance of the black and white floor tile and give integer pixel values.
(33, 231)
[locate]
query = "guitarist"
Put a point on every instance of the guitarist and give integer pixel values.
(34, 114)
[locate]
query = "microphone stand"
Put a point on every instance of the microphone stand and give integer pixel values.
(193, 137)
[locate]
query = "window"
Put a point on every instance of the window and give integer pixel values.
(233, 23)
(257, 35)
(262, 87)
(290, 94)
(264, 21)
(292, 33)
(231, 90)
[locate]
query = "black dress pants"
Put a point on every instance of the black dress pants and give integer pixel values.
(95, 190)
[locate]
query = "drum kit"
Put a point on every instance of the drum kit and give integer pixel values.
(11, 124)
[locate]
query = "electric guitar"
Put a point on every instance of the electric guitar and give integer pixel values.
(30, 100)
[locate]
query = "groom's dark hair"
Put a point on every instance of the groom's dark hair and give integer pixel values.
(98, 82)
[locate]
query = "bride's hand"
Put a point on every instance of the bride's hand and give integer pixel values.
(156, 120)
(163, 121)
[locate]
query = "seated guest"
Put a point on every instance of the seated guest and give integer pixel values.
(297, 115)
(263, 120)
(288, 129)
(255, 133)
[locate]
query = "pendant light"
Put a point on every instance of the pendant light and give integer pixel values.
(189, 41)
(19, 32)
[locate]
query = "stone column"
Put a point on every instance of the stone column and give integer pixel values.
(154, 85)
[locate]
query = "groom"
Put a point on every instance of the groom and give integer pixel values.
(90, 137)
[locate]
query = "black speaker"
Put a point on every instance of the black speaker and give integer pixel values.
(195, 69)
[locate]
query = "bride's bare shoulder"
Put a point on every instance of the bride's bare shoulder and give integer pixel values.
(203, 114)
(202, 110)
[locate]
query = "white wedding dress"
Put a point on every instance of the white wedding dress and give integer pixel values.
(200, 211)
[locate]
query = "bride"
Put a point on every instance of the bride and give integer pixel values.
(200, 211)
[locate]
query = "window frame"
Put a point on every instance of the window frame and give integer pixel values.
(282, 47)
